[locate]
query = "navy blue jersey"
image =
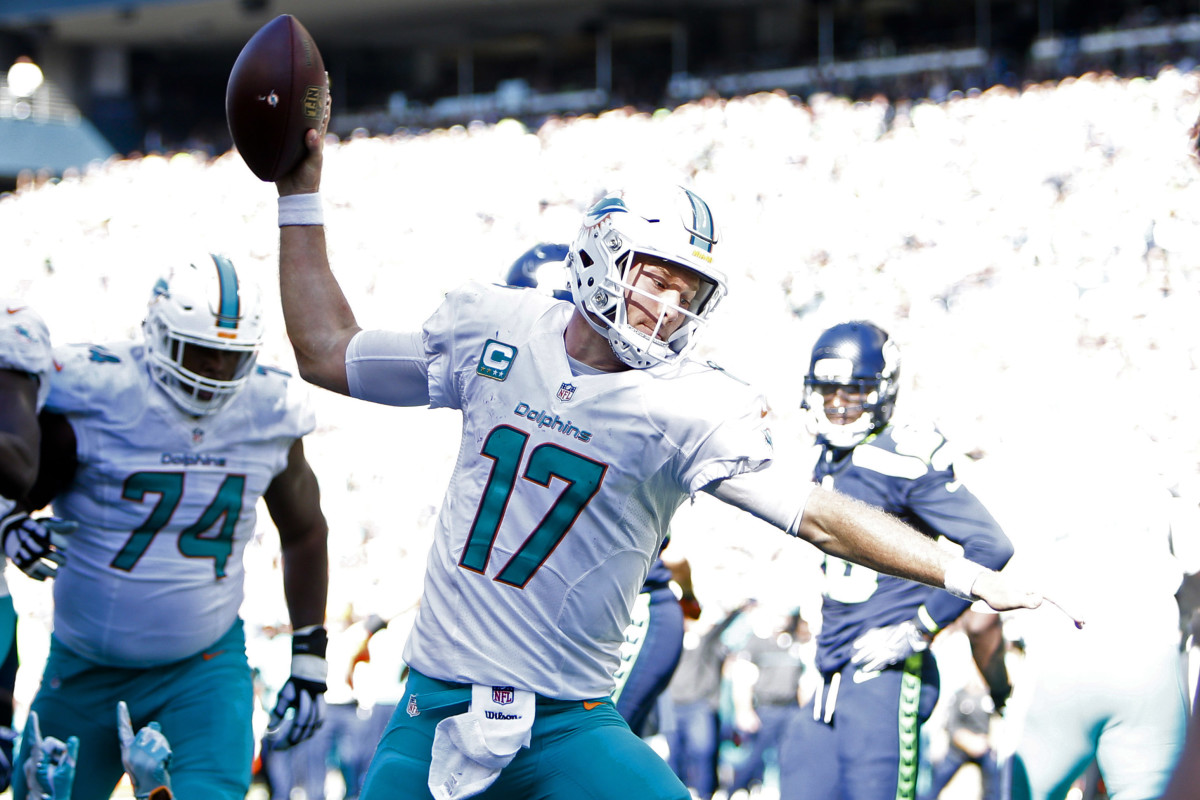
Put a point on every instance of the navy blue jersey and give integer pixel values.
(659, 576)
(908, 472)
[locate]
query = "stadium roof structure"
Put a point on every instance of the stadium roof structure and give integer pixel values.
(360, 22)
(45, 131)
(153, 72)
(53, 145)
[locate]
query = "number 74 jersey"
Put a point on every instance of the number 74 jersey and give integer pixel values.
(165, 502)
(562, 494)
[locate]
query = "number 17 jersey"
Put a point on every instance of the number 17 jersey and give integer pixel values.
(562, 493)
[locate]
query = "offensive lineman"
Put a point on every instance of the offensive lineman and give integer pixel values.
(584, 428)
(160, 450)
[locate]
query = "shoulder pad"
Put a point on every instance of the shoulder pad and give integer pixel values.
(923, 441)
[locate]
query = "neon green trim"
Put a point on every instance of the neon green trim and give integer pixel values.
(927, 621)
(910, 728)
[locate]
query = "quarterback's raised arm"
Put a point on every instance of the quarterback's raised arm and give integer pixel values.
(320, 323)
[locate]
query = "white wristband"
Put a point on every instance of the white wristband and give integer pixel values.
(301, 209)
(310, 667)
(960, 578)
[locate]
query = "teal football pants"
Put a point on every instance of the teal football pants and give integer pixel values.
(581, 751)
(203, 703)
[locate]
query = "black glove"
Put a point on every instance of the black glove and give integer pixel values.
(37, 546)
(300, 710)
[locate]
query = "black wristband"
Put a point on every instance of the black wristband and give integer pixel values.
(310, 641)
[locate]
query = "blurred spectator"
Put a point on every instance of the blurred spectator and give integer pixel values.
(969, 729)
(765, 677)
(695, 693)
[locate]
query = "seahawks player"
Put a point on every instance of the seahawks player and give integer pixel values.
(161, 450)
(880, 681)
(585, 426)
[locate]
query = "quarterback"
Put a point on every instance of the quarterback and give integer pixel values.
(585, 426)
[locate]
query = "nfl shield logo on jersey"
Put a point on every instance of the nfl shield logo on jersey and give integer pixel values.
(503, 695)
(566, 391)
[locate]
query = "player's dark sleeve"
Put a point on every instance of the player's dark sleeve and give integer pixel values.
(58, 459)
(949, 509)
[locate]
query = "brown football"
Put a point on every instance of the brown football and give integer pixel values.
(277, 90)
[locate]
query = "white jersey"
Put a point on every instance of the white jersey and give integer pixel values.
(562, 495)
(165, 502)
(25, 345)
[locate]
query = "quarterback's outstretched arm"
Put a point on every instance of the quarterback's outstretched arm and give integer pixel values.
(855, 531)
(320, 323)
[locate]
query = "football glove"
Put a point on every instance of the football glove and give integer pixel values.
(146, 757)
(7, 735)
(37, 546)
(300, 709)
(881, 647)
(49, 763)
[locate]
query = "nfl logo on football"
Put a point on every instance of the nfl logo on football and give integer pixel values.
(502, 695)
(566, 391)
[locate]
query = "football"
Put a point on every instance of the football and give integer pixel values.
(277, 90)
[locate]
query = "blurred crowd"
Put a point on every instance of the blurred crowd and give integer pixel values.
(1034, 252)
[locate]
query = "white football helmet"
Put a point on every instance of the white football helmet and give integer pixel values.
(202, 304)
(677, 227)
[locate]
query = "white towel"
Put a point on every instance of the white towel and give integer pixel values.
(471, 748)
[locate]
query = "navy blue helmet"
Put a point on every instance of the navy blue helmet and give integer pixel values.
(852, 381)
(541, 259)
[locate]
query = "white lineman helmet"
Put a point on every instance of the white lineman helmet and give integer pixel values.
(677, 227)
(202, 304)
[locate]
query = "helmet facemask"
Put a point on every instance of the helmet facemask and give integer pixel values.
(860, 363)
(614, 240)
(195, 310)
(838, 424)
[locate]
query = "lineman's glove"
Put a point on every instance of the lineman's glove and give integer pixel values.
(146, 757)
(300, 709)
(880, 647)
(49, 763)
(36, 546)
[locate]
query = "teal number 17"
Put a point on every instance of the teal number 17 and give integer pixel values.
(505, 446)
